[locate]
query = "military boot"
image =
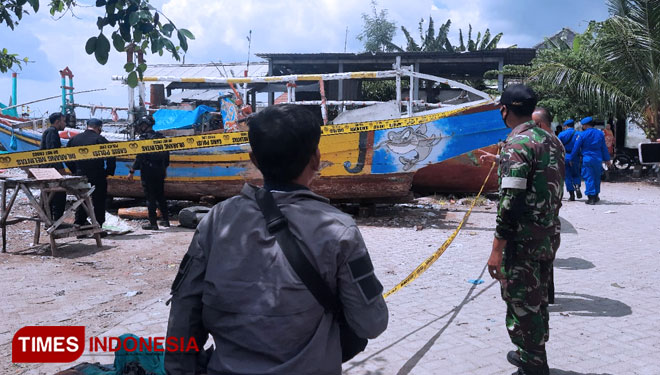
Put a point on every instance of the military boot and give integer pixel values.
(514, 358)
(596, 198)
(590, 199)
(578, 193)
(150, 227)
(164, 223)
(571, 196)
(153, 225)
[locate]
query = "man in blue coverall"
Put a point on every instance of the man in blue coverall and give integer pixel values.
(591, 145)
(568, 138)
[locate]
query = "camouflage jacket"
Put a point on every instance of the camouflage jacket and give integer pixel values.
(531, 181)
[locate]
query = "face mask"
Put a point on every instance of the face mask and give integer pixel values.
(504, 116)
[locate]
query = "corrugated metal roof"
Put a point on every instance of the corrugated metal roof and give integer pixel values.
(510, 55)
(256, 69)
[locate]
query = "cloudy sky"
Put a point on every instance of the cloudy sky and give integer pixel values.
(221, 27)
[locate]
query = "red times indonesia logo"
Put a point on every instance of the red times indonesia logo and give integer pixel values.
(61, 344)
(48, 344)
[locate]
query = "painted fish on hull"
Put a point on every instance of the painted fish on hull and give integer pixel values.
(409, 140)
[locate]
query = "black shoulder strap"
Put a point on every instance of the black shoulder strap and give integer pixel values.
(279, 226)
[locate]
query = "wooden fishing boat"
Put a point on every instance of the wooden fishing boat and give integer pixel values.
(372, 164)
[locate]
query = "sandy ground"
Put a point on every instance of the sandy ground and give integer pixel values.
(102, 287)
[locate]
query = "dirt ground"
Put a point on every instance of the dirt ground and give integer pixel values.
(100, 287)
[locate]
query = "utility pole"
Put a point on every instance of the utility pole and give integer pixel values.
(345, 39)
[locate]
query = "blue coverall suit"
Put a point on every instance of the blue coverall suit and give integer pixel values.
(591, 145)
(568, 138)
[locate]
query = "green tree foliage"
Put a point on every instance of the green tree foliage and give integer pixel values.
(430, 42)
(625, 75)
(377, 31)
(480, 43)
(563, 101)
(125, 25)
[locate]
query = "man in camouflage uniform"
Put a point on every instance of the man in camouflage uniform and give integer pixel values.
(527, 233)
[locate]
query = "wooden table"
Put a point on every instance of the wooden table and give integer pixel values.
(76, 186)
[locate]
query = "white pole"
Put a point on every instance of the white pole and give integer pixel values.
(410, 94)
(397, 67)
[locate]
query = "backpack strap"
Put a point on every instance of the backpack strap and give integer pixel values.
(278, 226)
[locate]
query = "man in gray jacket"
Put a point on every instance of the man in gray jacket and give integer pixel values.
(236, 284)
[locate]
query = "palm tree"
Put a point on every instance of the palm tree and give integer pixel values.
(626, 75)
(429, 41)
(478, 44)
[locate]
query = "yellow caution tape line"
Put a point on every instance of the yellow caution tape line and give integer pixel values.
(128, 148)
(431, 259)
(119, 149)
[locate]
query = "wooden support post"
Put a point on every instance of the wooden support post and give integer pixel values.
(416, 91)
(3, 187)
(410, 93)
(37, 232)
(340, 87)
(92, 217)
(5, 212)
(500, 76)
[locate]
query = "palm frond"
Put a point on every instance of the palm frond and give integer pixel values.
(412, 45)
(430, 36)
(484, 42)
(442, 38)
(461, 47)
(618, 7)
(448, 46)
(471, 45)
(493, 43)
(420, 28)
(389, 46)
(591, 87)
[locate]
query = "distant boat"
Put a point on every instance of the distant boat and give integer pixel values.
(375, 164)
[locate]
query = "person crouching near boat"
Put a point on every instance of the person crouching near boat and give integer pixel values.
(237, 284)
(153, 170)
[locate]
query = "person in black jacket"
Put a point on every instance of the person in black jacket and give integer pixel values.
(95, 170)
(51, 139)
(153, 170)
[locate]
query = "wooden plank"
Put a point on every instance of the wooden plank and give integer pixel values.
(5, 211)
(44, 174)
(80, 200)
(35, 204)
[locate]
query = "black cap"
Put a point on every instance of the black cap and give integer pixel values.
(94, 122)
(519, 96)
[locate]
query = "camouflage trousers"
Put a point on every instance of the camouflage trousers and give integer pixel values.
(525, 291)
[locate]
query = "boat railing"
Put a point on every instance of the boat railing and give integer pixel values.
(398, 73)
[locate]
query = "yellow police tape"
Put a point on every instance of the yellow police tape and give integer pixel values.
(128, 148)
(430, 260)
